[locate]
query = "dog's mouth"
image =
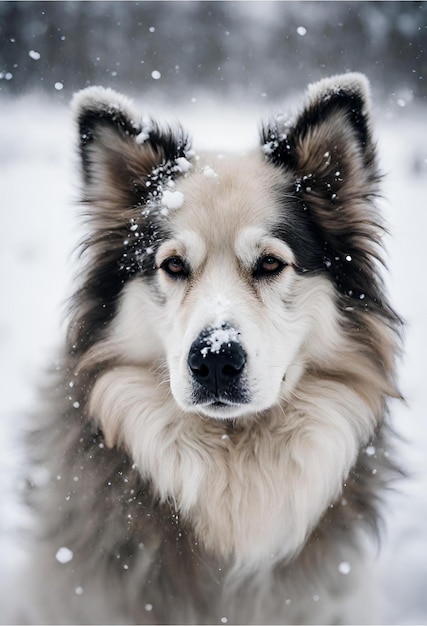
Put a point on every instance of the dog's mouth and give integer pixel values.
(220, 405)
(222, 409)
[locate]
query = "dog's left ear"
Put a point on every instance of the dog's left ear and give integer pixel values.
(328, 148)
(328, 159)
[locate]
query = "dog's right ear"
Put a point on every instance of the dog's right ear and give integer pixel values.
(119, 153)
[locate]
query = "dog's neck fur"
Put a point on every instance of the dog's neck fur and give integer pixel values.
(206, 471)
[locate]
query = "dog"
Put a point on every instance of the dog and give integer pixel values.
(216, 436)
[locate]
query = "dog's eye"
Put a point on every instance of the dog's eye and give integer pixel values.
(268, 266)
(175, 267)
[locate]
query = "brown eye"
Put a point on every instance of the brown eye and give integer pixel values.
(268, 265)
(175, 267)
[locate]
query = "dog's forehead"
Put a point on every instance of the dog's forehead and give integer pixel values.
(224, 195)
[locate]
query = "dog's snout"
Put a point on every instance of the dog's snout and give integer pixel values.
(216, 364)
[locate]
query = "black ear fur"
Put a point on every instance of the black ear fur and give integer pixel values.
(91, 119)
(333, 105)
(117, 152)
(351, 102)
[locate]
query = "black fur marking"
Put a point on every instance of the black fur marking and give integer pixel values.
(118, 261)
(279, 145)
(297, 229)
(99, 293)
(169, 144)
(121, 255)
(340, 255)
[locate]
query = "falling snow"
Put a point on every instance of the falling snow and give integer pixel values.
(344, 568)
(64, 555)
(370, 450)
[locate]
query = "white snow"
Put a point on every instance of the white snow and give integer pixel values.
(209, 172)
(147, 127)
(172, 199)
(40, 228)
(217, 338)
(370, 450)
(269, 147)
(183, 164)
(142, 137)
(64, 555)
(344, 568)
(221, 308)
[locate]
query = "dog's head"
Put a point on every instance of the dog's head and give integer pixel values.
(230, 275)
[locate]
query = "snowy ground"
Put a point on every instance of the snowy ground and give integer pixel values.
(39, 231)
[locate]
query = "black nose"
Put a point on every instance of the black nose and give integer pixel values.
(214, 365)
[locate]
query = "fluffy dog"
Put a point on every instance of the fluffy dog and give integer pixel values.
(216, 440)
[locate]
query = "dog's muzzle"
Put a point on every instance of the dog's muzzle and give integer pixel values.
(217, 363)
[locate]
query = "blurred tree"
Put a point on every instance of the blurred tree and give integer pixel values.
(250, 48)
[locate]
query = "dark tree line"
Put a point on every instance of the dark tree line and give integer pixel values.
(244, 47)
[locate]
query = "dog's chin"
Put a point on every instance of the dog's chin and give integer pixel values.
(223, 410)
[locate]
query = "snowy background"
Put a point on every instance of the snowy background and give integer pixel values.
(222, 109)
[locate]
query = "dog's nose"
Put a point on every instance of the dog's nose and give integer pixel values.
(216, 364)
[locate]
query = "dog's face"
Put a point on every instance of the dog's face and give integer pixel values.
(235, 306)
(224, 273)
